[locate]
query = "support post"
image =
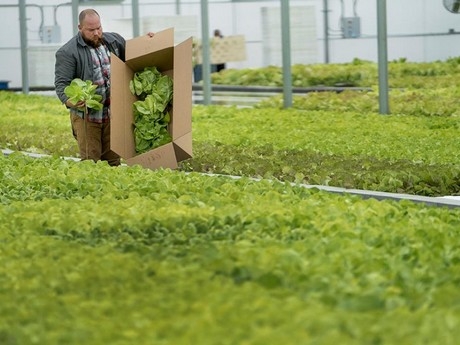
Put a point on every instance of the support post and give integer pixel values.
(75, 14)
(205, 53)
(135, 11)
(382, 56)
(326, 31)
(286, 48)
(24, 46)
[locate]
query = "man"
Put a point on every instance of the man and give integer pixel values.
(87, 56)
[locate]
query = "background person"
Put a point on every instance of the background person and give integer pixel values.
(219, 66)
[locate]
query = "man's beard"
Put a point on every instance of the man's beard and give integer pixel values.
(94, 44)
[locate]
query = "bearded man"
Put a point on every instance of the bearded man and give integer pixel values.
(87, 56)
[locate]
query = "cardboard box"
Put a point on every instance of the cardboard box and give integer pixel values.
(172, 60)
(222, 50)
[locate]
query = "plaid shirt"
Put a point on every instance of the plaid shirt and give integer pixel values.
(101, 64)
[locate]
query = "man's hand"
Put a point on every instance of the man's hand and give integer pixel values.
(80, 104)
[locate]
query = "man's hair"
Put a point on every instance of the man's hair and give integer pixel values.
(86, 12)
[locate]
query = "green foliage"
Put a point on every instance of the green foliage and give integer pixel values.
(150, 124)
(392, 153)
(23, 116)
(335, 139)
(93, 254)
(151, 115)
(358, 73)
(150, 81)
(414, 102)
(327, 138)
(314, 168)
(165, 257)
(80, 90)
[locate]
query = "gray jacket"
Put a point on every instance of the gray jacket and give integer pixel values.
(73, 60)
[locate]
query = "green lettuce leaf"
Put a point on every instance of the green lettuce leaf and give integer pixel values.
(151, 117)
(80, 90)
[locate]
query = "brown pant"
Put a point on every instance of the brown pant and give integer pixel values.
(93, 140)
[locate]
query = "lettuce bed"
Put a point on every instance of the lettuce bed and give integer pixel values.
(99, 255)
(326, 139)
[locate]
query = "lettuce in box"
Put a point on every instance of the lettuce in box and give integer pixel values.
(150, 124)
(151, 115)
(144, 82)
